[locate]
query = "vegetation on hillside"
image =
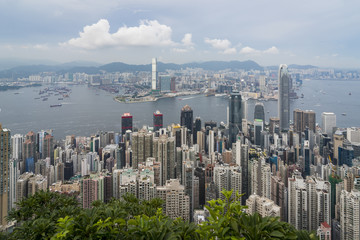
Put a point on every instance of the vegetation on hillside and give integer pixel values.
(48, 215)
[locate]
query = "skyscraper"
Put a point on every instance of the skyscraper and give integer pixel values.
(303, 120)
(158, 120)
(235, 116)
(328, 122)
(259, 112)
(154, 75)
(186, 118)
(284, 100)
(126, 122)
(4, 172)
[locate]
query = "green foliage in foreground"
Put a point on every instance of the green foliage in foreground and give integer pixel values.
(54, 216)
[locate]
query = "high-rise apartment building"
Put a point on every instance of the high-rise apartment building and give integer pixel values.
(262, 205)
(328, 122)
(284, 97)
(126, 123)
(5, 150)
(164, 152)
(350, 215)
(176, 202)
(235, 116)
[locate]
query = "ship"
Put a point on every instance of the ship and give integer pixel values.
(60, 99)
(56, 105)
(45, 99)
(344, 114)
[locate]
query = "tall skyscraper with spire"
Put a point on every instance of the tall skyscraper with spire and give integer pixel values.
(284, 97)
(154, 75)
(235, 116)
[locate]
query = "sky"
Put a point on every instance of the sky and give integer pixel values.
(324, 33)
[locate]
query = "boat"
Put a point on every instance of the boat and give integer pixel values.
(37, 98)
(56, 105)
(349, 93)
(16, 93)
(45, 99)
(344, 114)
(60, 99)
(302, 95)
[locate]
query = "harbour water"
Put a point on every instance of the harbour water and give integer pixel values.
(88, 110)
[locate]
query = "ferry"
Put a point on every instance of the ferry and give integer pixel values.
(45, 99)
(56, 105)
(344, 114)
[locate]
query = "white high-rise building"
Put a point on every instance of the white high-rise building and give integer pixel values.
(228, 178)
(17, 145)
(328, 122)
(260, 178)
(154, 75)
(350, 215)
(308, 202)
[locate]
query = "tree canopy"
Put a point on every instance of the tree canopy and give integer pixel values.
(48, 215)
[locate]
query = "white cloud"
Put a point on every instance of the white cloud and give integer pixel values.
(186, 44)
(223, 45)
(187, 40)
(250, 50)
(272, 50)
(148, 33)
(335, 55)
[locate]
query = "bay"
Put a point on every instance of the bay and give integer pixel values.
(89, 110)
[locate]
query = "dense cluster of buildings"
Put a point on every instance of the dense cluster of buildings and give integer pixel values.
(306, 174)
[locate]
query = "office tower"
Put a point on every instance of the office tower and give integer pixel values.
(186, 118)
(197, 128)
(338, 142)
(350, 215)
(284, 97)
(262, 205)
(307, 158)
(173, 84)
(235, 116)
(346, 155)
(154, 75)
(5, 150)
(274, 125)
(258, 128)
(158, 120)
(188, 181)
(303, 120)
(211, 124)
(298, 120)
(59, 172)
(176, 202)
(126, 123)
(211, 142)
(165, 83)
(259, 112)
(328, 122)
(48, 148)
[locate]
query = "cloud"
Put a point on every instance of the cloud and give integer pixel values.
(187, 40)
(272, 50)
(223, 45)
(148, 33)
(186, 44)
(250, 50)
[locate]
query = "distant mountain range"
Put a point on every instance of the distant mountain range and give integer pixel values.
(92, 68)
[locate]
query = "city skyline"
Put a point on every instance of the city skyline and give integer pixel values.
(269, 33)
